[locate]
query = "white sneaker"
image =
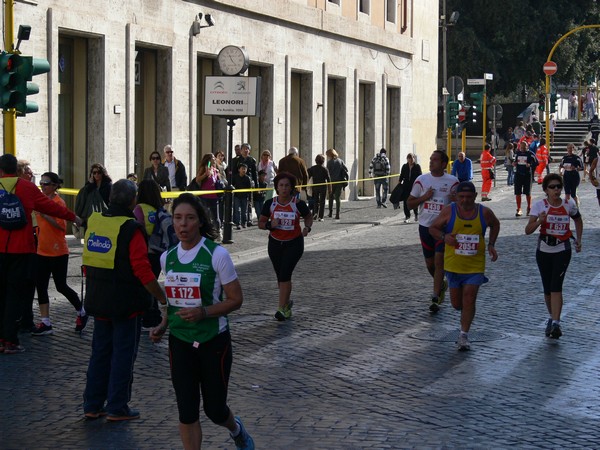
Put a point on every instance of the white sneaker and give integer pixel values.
(407, 220)
(462, 343)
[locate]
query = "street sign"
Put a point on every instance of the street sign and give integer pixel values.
(489, 76)
(495, 112)
(550, 68)
(475, 82)
(462, 115)
(455, 85)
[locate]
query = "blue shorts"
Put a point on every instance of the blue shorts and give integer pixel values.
(457, 280)
(430, 245)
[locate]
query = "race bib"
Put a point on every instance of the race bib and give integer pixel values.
(557, 225)
(183, 290)
(433, 205)
(522, 160)
(286, 219)
(567, 166)
(468, 244)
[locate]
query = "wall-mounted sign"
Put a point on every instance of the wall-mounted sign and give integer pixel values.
(232, 96)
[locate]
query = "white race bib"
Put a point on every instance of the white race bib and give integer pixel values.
(183, 289)
(468, 244)
(285, 219)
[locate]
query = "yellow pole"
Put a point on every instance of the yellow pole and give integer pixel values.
(562, 38)
(463, 143)
(10, 116)
(449, 147)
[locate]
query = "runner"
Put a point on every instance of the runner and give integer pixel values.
(524, 160)
(430, 193)
(462, 226)
(553, 253)
(570, 166)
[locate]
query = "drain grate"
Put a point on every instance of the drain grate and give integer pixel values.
(445, 335)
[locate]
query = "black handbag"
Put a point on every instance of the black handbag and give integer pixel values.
(492, 175)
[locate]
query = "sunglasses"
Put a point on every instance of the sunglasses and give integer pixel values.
(46, 183)
(169, 152)
(96, 172)
(554, 186)
(155, 157)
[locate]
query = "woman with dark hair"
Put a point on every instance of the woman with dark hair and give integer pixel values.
(53, 259)
(281, 216)
(94, 196)
(320, 178)
(198, 272)
(207, 178)
(553, 215)
(149, 204)
(157, 172)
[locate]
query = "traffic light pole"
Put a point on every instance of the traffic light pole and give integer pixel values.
(10, 115)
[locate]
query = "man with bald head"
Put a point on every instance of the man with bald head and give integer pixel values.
(295, 165)
(462, 168)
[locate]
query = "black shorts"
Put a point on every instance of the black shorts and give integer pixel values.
(553, 267)
(429, 245)
(284, 256)
(205, 369)
(523, 184)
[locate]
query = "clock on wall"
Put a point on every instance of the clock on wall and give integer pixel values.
(233, 60)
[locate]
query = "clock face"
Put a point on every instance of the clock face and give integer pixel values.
(233, 60)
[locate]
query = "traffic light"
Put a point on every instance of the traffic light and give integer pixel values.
(472, 114)
(477, 98)
(10, 80)
(553, 101)
(28, 69)
(542, 102)
(453, 108)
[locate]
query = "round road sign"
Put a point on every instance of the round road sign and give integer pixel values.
(462, 115)
(550, 68)
(455, 86)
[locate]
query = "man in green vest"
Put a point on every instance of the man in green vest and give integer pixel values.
(119, 282)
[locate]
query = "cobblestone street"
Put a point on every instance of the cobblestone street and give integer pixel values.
(362, 364)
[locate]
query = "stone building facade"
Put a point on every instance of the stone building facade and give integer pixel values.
(127, 78)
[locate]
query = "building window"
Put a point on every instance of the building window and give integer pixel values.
(364, 6)
(390, 11)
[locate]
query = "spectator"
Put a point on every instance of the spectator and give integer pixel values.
(573, 102)
(116, 285)
(337, 170)
(380, 167)
(259, 196)
(17, 250)
(177, 175)
(408, 174)
(157, 172)
(462, 168)
(321, 186)
(590, 103)
(207, 179)
(95, 194)
(268, 165)
(241, 181)
(295, 165)
(509, 159)
(53, 260)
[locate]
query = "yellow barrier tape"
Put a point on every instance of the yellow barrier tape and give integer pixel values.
(175, 194)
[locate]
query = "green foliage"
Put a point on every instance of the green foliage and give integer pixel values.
(512, 40)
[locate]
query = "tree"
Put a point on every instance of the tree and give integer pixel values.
(512, 39)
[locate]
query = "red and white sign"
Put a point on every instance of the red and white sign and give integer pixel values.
(462, 115)
(550, 68)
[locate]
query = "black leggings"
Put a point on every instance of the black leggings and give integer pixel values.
(553, 267)
(57, 267)
(571, 180)
(285, 255)
(205, 369)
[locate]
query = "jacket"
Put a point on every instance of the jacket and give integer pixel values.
(162, 177)
(180, 175)
(22, 240)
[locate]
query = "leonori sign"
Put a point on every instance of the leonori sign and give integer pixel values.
(232, 96)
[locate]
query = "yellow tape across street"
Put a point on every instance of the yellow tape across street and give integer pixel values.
(175, 194)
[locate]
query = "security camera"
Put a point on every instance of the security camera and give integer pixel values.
(454, 17)
(209, 20)
(200, 16)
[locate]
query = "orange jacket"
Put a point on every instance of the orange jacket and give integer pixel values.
(487, 160)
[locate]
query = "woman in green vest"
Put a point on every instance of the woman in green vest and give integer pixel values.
(202, 287)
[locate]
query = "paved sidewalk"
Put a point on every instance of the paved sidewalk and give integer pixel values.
(362, 365)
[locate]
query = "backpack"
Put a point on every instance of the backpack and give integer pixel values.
(163, 236)
(12, 213)
(379, 166)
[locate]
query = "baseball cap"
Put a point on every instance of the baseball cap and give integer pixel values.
(466, 186)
